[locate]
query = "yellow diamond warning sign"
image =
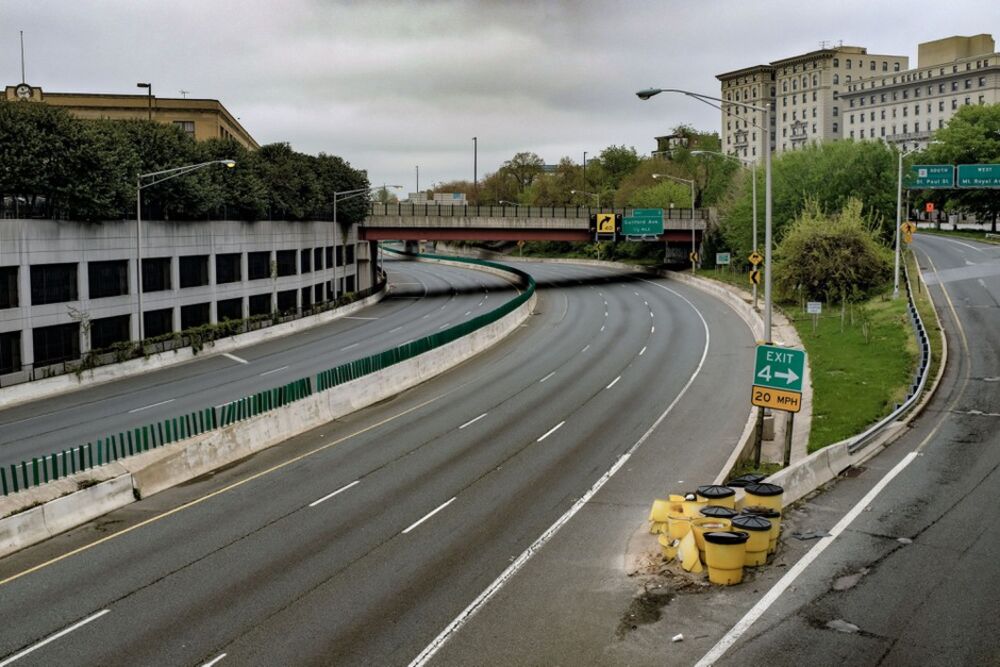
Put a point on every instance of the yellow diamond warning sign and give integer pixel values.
(605, 223)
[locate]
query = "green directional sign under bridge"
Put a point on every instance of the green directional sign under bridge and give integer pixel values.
(643, 222)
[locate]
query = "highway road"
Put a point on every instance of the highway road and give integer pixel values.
(422, 301)
(911, 576)
(359, 542)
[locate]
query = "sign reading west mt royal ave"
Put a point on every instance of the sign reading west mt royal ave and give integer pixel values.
(777, 378)
(979, 175)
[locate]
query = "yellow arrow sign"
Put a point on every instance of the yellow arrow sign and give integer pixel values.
(755, 277)
(605, 223)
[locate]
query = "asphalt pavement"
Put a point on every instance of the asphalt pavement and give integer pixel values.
(361, 541)
(422, 301)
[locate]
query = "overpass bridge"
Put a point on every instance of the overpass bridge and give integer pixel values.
(433, 222)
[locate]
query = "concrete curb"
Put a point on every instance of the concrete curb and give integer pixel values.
(42, 512)
(61, 384)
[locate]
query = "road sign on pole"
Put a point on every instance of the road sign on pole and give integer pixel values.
(924, 176)
(755, 276)
(814, 307)
(722, 258)
(755, 258)
(979, 175)
(643, 222)
(605, 223)
(777, 378)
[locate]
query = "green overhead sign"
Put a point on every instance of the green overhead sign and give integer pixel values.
(931, 176)
(643, 222)
(979, 175)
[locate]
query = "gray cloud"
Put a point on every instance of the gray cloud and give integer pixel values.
(390, 85)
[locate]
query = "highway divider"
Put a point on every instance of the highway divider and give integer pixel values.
(169, 452)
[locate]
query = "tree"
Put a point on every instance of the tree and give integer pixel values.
(523, 168)
(830, 174)
(972, 136)
(832, 258)
(617, 163)
(662, 194)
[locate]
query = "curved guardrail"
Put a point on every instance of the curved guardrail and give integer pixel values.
(41, 470)
(860, 441)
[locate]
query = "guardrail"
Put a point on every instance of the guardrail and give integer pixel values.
(916, 388)
(563, 212)
(41, 470)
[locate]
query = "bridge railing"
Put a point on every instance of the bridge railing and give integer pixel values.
(572, 212)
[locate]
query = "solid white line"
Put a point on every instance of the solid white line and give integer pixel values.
(331, 495)
(352, 317)
(652, 330)
(546, 377)
(235, 358)
(645, 303)
(395, 330)
(605, 313)
(468, 312)
(602, 327)
(642, 351)
(651, 314)
(971, 247)
(472, 421)
(444, 326)
(427, 516)
(614, 382)
(214, 660)
(274, 370)
(61, 633)
(535, 546)
(147, 407)
(349, 347)
(772, 595)
(551, 431)
(585, 349)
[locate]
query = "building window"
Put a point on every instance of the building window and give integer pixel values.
(158, 322)
(57, 343)
(340, 248)
(941, 105)
(227, 268)
(10, 352)
(106, 279)
(836, 111)
(940, 123)
(307, 293)
(954, 85)
(815, 80)
(155, 274)
(350, 254)
(982, 99)
(836, 79)
(871, 116)
(836, 128)
(229, 309)
(885, 66)
(882, 114)
(982, 81)
(194, 270)
(895, 67)
(954, 103)
(259, 304)
(288, 301)
(906, 128)
(305, 260)
(329, 257)
(836, 62)
(286, 262)
(852, 134)
(106, 331)
(883, 130)
(848, 63)
(905, 111)
(318, 259)
(968, 84)
(194, 315)
(916, 109)
(968, 101)
(258, 265)
(53, 283)
(8, 287)
(186, 125)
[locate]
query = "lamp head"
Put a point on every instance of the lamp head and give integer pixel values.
(657, 175)
(229, 163)
(572, 192)
(648, 92)
(143, 85)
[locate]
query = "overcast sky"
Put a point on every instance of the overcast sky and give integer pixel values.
(391, 85)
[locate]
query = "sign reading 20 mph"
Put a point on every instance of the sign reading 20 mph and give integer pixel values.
(777, 378)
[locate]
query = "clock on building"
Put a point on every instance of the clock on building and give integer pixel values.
(23, 91)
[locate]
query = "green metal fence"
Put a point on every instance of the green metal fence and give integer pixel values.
(41, 470)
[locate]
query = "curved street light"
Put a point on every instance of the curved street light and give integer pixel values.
(157, 177)
(344, 196)
(766, 120)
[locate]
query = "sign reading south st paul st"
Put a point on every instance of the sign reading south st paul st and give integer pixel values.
(923, 176)
(777, 378)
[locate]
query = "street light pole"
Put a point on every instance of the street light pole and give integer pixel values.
(158, 177)
(343, 196)
(149, 97)
(475, 167)
(766, 117)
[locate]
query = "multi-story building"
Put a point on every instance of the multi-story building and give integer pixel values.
(743, 132)
(201, 118)
(905, 108)
(804, 92)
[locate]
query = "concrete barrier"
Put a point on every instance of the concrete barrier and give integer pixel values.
(60, 384)
(56, 516)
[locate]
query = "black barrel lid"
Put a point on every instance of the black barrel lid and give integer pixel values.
(760, 510)
(743, 480)
(751, 522)
(727, 537)
(715, 491)
(718, 512)
(764, 489)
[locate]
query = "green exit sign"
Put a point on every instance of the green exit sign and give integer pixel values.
(779, 368)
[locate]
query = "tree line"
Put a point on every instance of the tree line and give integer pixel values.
(63, 167)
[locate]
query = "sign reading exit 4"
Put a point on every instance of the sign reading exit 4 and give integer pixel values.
(777, 378)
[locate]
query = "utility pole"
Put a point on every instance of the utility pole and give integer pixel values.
(475, 167)
(23, 80)
(418, 178)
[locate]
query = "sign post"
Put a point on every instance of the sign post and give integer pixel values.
(814, 308)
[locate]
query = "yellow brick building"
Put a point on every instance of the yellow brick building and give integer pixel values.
(201, 118)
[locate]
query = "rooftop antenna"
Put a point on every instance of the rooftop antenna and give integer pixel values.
(184, 93)
(22, 57)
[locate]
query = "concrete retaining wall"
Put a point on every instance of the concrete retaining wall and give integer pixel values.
(34, 390)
